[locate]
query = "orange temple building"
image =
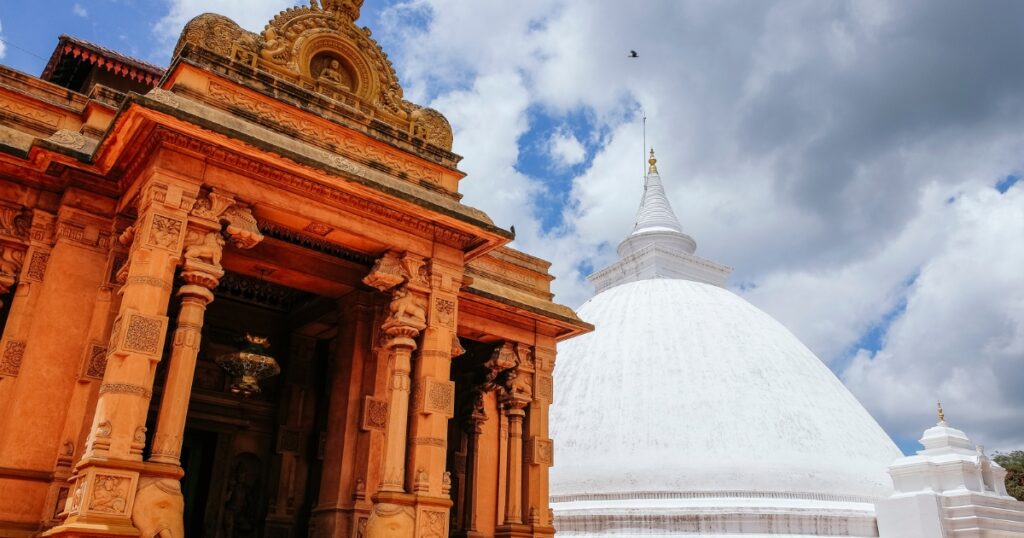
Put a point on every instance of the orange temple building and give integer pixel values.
(241, 298)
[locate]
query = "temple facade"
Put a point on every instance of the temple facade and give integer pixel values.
(242, 298)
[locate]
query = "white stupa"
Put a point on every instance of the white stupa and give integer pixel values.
(688, 411)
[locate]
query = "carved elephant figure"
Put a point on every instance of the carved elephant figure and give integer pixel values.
(390, 521)
(159, 508)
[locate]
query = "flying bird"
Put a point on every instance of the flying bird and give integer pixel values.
(633, 54)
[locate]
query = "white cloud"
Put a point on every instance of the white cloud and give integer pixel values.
(961, 338)
(565, 149)
(3, 45)
(79, 9)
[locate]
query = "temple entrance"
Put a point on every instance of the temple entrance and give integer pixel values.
(251, 462)
(197, 454)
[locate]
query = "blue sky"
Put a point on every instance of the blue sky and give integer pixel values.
(857, 164)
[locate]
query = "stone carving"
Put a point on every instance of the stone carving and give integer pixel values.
(103, 430)
(240, 227)
(31, 112)
(446, 483)
(163, 96)
(387, 272)
(524, 355)
(125, 388)
(10, 361)
(445, 309)
(242, 505)
(143, 334)
(109, 494)
(457, 349)
(212, 206)
(422, 482)
(159, 508)
(318, 228)
(15, 222)
(209, 248)
(375, 413)
(360, 492)
(431, 126)
(516, 390)
(212, 32)
(37, 265)
(10, 262)
(68, 138)
(164, 232)
(544, 388)
(390, 520)
(95, 362)
(539, 451)
(273, 175)
(433, 524)
(407, 308)
(435, 396)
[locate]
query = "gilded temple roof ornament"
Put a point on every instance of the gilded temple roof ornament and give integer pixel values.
(653, 163)
(320, 49)
(942, 414)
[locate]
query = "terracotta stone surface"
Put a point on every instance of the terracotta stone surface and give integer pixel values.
(276, 185)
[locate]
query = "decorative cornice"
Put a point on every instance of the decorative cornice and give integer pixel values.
(308, 187)
(295, 237)
(260, 292)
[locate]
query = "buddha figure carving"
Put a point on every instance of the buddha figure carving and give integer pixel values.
(332, 72)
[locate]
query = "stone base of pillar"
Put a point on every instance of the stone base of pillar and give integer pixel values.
(405, 514)
(514, 530)
(330, 521)
(118, 498)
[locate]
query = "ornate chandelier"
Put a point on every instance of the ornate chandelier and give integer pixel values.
(249, 365)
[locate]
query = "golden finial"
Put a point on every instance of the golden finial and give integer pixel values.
(942, 415)
(653, 169)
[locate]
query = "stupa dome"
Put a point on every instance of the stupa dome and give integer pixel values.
(690, 411)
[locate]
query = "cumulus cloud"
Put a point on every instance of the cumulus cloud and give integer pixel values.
(961, 337)
(811, 146)
(79, 9)
(3, 45)
(565, 149)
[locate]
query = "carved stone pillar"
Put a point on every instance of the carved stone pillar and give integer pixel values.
(539, 452)
(513, 491)
(516, 394)
(213, 217)
(195, 294)
(424, 299)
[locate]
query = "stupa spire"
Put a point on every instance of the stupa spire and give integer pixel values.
(657, 247)
(655, 211)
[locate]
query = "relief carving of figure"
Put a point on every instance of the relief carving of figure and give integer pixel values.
(210, 249)
(331, 73)
(274, 47)
(109, 494)
(242, 504)
(407, 307)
